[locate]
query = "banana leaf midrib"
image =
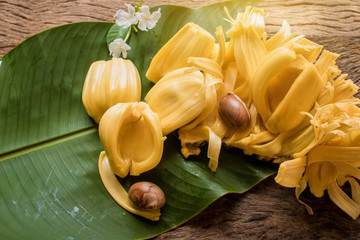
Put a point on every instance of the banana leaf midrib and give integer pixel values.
(47, 143)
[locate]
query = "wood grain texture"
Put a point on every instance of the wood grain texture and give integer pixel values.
(268, 211)
(22, 18)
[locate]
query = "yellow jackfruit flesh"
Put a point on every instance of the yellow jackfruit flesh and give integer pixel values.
(251, 16)
(180, 97)
(108, 83)
(190, 41)
(333, 160)
(249, 49)
(211, 130)
(299, 98)
(308, 49)
(280, 38)
(293, 169)
(220, 53)
(269, 68)
(132, 138)
(329, 167)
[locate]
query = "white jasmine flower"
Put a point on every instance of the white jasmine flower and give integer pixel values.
(117, 47)
(147, 20)
(126, 19)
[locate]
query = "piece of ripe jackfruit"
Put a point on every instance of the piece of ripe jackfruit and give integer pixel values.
(108, 83)
(181, 96)
(246, 35)
(289, 85)
(190, 41)
(131, 136)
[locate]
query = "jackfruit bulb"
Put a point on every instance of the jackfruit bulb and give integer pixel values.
(190, 41)
(132, 138)
(108, 83)
(180, 97)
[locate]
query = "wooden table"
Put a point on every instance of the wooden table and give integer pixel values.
(268, 211)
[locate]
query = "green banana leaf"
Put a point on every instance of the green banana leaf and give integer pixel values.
(50, 187)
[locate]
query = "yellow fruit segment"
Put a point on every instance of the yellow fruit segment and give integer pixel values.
(299, 98)
(180, 97)
(190, 41)
(108, 83)
(272, 64)
(132, 138)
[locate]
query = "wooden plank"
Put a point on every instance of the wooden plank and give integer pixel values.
(21, 19)
(268, 211)
(319, 18)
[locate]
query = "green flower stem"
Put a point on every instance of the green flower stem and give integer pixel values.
(135, 28)
(127, 34)
(138, 6)
(132, 27)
